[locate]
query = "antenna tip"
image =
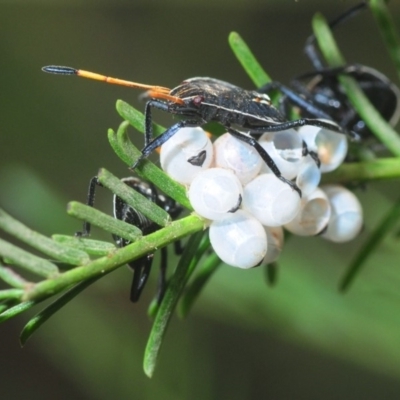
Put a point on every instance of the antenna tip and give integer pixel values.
(56, 69)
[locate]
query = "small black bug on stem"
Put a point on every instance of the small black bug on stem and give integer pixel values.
(322, 87)
(201, 100)
(122, 211)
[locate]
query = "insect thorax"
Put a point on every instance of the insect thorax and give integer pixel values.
(213, 100)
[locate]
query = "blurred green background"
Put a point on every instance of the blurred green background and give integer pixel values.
(243, 340)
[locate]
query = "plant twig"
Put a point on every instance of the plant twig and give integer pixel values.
(147, 244)
(247, 60)
(380, 168)
(92, 247)
(208, 267)
(104, 221)
(133, 198)
(40, 242)
(26, 260)
(175, 286)
(38, 320)
(129, 154)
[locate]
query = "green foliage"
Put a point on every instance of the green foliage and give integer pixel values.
(79, 262)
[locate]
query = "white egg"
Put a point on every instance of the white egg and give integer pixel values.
(330, 146)
(308, 177)
(313, 217)
(346, 217)
(286, 150)
(270, 200)
(239, 240)
(186, 153)
(240, 157)
(215, 192)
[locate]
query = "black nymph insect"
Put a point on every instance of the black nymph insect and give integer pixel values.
(201, 100)
(142, 266)
(322, 88)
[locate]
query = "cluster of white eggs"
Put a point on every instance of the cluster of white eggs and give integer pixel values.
(248, 205)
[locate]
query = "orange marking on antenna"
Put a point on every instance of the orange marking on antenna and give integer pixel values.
(108, 79)
(156, 94)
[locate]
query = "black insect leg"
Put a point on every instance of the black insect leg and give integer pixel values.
(162, 277)
(159, 140)
(349, 69)
(297, 123)
(311, 153)
(178, 248)
(141, 271)
(367, 78)
(94, 182)
(148, 120)
(310, 48)
(295, 99)
(265, 156)
(320, 99)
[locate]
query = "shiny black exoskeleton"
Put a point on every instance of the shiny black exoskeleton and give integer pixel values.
(142, 266)
(246, 114)
(381, 92)
(322, 89)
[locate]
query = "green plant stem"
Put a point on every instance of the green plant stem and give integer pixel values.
(247, 60)
(28, 261)
(92, 247)
(38, 320)
(12, 278)
(16, 310)
(129, 154)
(387, 29)
(40, 242)
(104, 221)
(136, 118)
(196, 257)
(382, 168)
(134, 198)
(147, 244)
(382, 130)
(175, 286)
(192, 292)
(3, 307)
(11, 294)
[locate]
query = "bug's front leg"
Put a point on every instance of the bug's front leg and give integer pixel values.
(159, 140)
(148, 119)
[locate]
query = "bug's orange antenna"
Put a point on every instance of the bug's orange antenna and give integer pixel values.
(155, 91)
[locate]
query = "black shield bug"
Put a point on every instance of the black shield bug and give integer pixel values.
(201, 100)
(122, 211)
